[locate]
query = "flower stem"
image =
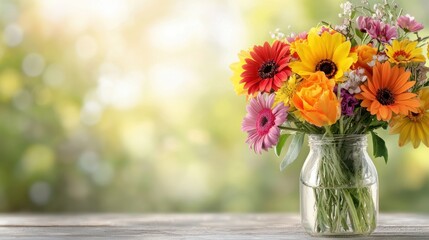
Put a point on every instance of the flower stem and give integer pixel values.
(292, 129)
(346, 207)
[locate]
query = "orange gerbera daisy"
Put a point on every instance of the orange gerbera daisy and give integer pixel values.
(387, 91)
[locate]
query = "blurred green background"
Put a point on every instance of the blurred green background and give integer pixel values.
(114, 105)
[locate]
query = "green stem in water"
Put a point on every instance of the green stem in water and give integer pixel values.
(339, 207)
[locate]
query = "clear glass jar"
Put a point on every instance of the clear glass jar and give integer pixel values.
(338, 187)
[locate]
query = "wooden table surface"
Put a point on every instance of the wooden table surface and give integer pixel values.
(189, 226)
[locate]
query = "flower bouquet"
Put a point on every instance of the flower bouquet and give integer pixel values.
(337, 84)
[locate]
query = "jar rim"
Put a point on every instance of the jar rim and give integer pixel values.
(320, 139)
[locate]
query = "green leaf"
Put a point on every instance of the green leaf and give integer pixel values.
(353, 14)
(377, 124)
(293, 150)
(379, 146)
(280, 144)
(359, 33)
(326, 23)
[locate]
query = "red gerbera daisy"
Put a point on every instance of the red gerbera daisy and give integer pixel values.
(267, 68)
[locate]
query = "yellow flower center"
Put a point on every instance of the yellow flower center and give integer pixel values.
(401, 55)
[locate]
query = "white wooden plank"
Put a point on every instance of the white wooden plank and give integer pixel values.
(189, 226)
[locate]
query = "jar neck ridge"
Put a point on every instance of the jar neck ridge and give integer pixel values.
(349, 140)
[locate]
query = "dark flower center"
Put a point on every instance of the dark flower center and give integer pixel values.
(328, 67)
(268, 69)
(385, 96)
(415, 116)
(265, 121)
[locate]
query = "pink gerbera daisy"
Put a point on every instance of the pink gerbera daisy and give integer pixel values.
(262, 121)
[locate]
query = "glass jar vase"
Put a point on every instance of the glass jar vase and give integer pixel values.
(338, 187)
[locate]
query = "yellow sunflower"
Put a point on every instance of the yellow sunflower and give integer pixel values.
(404, 51)
(413, 127)
(237, 69)
(285, 93)
(329, 53)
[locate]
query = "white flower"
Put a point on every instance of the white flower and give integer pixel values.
(381, 58)
(341, 28)
(354, 79)
(347, 8)
(377, 58)
(277, 34)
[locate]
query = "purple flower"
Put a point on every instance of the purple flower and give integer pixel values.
(381, 31)
(363, 23)
(348, 102)
(376, 29)
(409, 24)
(262, 121)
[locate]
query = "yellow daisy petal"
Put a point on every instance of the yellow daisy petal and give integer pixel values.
(413, 127)
(237, 69)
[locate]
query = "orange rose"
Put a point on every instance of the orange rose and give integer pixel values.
(365, 54)
(316, 101)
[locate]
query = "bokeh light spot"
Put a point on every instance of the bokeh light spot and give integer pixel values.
(40, 192)
(10, 84)
(54, 75)
(33, 65)
(89, 161)
(91, 112)
(13, 35)
(23, 100)
(38, 159)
